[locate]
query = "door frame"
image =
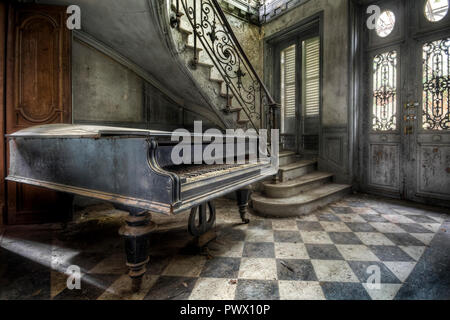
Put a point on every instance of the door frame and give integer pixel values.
(411, 31)
(271, 65)
(3, 24)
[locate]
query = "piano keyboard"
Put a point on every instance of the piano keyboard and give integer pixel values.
(193, 173)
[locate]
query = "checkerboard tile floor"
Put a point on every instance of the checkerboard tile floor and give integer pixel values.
(326, 255)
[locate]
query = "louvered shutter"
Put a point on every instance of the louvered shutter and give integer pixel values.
(288, 79)
(311, 77)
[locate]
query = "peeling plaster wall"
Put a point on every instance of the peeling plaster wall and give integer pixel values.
(250, 38)
(335, 55)
(103, 90)
(106, 92)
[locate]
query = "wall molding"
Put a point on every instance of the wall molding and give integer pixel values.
(334, 155)
(277, 8)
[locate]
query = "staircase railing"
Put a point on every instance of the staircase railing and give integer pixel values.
(212, 29)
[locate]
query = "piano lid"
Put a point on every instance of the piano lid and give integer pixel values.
(81, 131)
(95, 132)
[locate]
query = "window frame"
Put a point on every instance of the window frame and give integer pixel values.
(370, 110)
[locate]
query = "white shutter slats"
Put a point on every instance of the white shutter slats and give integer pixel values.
(289, 78)
(311, 77)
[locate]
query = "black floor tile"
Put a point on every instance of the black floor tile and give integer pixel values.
(360, 227)
(344, 291)
(260, 224)
(232, 234)
(92, 287)
(430, 279)
(384, 210)
(309, 226)
(287, 236)
(295, 270)
(257, 290)
(356, 204)
(361, 269)
(323, 252)
(259, 250)
(328, 217)
(413, 228)
(171, 288)
(221, 268)
(403, 239)
(390, 253)
(344, 238)
(373, 218)
(21, 278)
(342, 210)
(157, 264)
(422, 219)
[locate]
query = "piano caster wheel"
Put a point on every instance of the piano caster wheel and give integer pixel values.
(204, 223)
(242, 202)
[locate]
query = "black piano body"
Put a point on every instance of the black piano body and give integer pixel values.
(135, 168)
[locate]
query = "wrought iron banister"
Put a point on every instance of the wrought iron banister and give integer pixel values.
(212, 29)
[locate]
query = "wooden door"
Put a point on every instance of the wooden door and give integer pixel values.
(407, 108)
(38, 91)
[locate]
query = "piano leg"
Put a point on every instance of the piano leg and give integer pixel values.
(136, 233)
(242, 201)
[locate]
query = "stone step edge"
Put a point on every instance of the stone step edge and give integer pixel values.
(273, 201)
(297, 183)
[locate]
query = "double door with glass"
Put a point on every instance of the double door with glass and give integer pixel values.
(406, 118)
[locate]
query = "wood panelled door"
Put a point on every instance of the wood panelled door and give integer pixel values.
(38, 91)
(406, 98)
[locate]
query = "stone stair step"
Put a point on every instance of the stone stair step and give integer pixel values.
(220, 81)
(191, 47)
(301, 204)
(286, 153)
(232, 110)
(225, 95)
(185, 31)
(205, 64)
(297, 169)
(243, 122)
(297, 186)
(205, 68)
(287, 157)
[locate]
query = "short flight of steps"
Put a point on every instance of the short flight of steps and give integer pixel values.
(301, 190)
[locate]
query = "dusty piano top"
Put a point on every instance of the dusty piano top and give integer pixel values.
(81, 131)
(94, 132)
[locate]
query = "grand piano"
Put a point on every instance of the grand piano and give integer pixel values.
(134, 168)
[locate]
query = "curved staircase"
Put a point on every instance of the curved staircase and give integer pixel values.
(223, 72)
(301, 190)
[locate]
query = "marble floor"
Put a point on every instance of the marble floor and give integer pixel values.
(333, 253)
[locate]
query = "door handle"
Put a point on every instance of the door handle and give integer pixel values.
(410, 117)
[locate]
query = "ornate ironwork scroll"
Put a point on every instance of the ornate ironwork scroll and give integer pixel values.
(385, 91)
(213, 31)
(436, 86)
